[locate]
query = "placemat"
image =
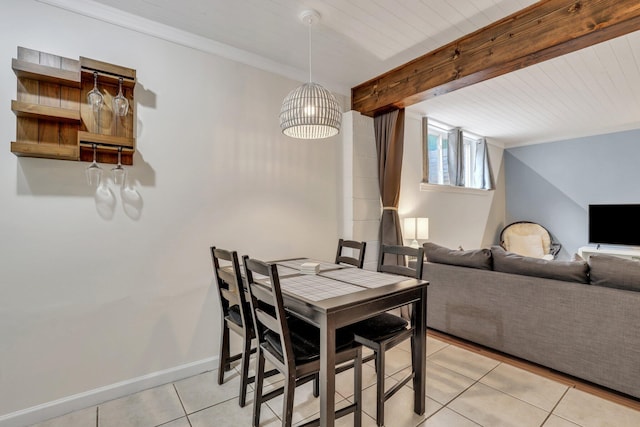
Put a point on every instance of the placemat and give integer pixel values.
(316, 288)
(296, 264)
(364, 278)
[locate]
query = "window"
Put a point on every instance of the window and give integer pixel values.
(448, 162)
(437, 155)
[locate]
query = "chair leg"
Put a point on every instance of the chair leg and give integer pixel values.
(257, 396)
(380, 360)
(357, 389)
(224, 352)
(289, 394)
(244, 368)
(316, 385)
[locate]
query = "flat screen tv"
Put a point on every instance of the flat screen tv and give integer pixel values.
(614, 224)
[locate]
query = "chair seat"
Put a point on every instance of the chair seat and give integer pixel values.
(234, 315)
(305, 339)
(379, 327)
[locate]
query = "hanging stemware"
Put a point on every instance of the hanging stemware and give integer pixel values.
(119, 173)
(120, 103)
(94, 171)
(94, 97)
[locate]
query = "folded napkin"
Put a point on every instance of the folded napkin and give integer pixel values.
(310, 268)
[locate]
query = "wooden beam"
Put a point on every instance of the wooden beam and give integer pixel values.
(545, 30)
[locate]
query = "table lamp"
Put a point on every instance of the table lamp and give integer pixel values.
(416, 229)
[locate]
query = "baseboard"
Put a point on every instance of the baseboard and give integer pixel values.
(55, 408)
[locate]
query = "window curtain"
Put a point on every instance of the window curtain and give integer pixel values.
(389, 132)
(455, 157)
(481, 174)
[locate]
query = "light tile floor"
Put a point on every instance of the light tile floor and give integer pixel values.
(464, 389)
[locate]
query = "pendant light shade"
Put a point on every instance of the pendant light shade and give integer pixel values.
(310, 111)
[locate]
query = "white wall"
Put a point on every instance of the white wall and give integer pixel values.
(93, 293)
(361, 191)
(456, 218)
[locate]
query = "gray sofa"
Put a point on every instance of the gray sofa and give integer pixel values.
(566, 322)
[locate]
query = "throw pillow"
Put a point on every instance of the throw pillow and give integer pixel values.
(615, 272)
(570, 271)
(475, 258)
(530, 245)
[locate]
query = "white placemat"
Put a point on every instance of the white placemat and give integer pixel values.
(296, 264)
(364, 278)
(316, 288)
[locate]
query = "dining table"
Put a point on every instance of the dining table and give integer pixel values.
(339, 295)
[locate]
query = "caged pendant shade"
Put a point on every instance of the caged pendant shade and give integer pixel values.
(310, 111)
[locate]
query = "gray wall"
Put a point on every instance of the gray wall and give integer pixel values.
(554, 183)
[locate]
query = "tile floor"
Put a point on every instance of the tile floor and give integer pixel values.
(464, 389)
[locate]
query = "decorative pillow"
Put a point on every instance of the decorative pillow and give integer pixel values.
(570, 271)
(476, 258)
(530, 245)
(615, 272)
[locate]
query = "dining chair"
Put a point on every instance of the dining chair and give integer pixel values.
(351, 260)
(292, 346)
(385, 331)
(235, 315)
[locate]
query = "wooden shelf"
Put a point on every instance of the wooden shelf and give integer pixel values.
(44, 73)
(107, 73)
(43, 112)
(47, 151)
(87, 138)
(53, 118)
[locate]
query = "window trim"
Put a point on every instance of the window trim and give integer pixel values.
(468, 138)
(445, 188)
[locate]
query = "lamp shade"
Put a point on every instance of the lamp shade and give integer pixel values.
(310, 112)
(422, 228)
(410, 228)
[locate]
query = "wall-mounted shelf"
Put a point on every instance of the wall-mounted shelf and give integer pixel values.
(45, 151)
(45, 73)
(53, 119)
(43, 112)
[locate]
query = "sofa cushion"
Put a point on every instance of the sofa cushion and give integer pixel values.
(615, 272)
(508, 262)
(476, 258)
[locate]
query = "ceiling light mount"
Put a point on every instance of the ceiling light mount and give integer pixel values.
(309, 17)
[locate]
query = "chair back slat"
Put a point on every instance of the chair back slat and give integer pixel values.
(267, 305)
(227, 276)
(228, 279)
(396, 251)
(230, 296)
(351, 244)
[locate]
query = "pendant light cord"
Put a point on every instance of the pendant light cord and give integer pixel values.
(310, 23)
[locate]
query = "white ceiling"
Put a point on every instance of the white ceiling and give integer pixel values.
(592, 91)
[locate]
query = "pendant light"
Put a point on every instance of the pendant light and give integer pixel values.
(310, 111)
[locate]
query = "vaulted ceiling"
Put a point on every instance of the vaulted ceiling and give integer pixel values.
(592, 91)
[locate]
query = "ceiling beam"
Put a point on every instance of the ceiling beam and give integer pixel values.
(544, 30)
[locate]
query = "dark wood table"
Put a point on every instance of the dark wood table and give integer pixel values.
(339, 296)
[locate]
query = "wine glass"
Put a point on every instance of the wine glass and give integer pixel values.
(120, 103)
(94, 97)
(119, 173)
(94, 171)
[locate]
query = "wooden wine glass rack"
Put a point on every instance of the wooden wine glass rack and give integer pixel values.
(53, 118)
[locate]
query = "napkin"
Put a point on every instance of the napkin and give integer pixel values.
(310, 268)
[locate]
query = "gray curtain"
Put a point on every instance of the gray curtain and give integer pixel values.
(389, 132)
(455, 157)
(481, 174)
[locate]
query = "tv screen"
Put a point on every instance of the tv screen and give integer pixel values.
(614, 224)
